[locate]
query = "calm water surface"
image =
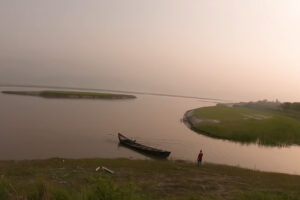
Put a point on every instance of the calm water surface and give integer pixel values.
(37, 128)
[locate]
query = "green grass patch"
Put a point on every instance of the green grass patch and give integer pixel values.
(58, 179)
(247, 125)
(71, 94)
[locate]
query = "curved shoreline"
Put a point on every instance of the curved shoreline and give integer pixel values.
(188, 120)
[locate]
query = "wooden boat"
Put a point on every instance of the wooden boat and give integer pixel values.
(142, 148)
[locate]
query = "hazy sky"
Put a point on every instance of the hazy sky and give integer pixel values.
(232, 49)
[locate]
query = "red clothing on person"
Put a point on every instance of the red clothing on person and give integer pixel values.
(200, 156)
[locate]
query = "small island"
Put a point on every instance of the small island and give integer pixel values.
(263, 122)
(70, 94)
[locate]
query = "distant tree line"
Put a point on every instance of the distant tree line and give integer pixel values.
(262, 104)
(273, 105)
(291, 106)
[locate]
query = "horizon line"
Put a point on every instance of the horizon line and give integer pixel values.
(120, 91)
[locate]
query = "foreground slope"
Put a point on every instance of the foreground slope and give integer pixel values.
(139, 179)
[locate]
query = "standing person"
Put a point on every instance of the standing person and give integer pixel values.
(200, 155)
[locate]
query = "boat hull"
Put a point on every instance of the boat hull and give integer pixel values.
(142, 148)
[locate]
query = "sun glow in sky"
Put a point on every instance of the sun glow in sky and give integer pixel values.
(230, 49)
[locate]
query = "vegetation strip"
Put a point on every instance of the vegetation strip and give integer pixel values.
(71, 94)
(115, 91)
(78, 179)
(273, 127)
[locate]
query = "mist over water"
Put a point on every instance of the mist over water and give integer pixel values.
(118, 78)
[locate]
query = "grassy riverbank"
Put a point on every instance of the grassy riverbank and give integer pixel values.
(139, 179)
(70, 94)
(247, 125)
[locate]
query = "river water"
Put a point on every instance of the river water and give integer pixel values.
(39, 128)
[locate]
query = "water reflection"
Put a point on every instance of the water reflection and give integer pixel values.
(120, 145)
